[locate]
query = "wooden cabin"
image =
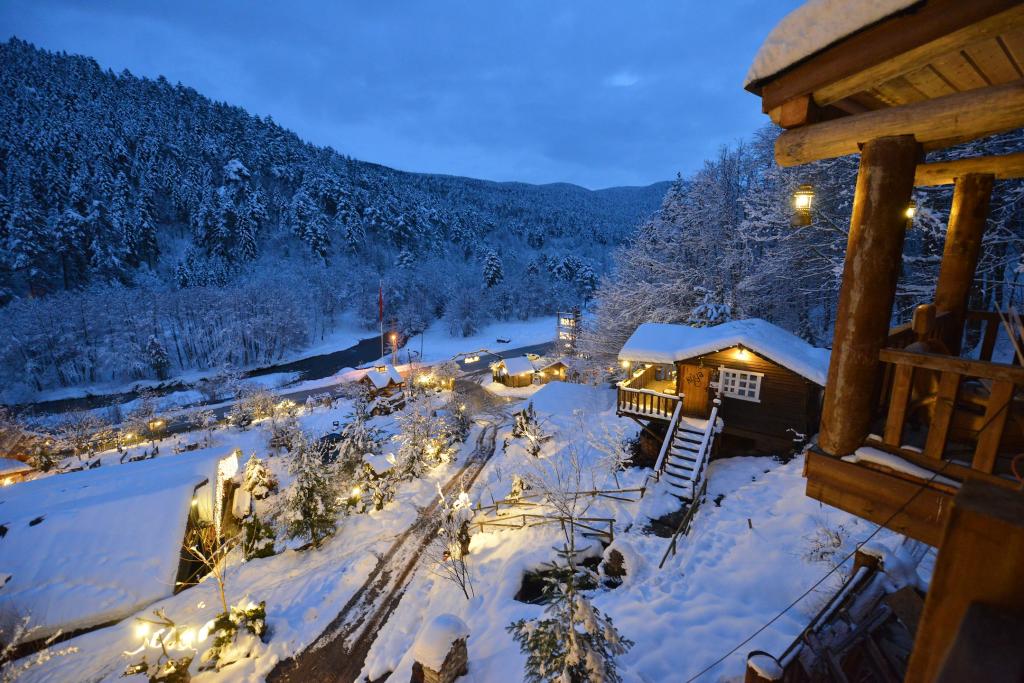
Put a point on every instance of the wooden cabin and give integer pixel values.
(382, 380)
(768, 380)
(13, 471)
(522, 371)
(915, 435)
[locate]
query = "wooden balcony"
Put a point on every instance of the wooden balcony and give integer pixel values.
(645, 396)
(946, 420)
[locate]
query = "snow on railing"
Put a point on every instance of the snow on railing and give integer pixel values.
(705, 446)
(669, 435)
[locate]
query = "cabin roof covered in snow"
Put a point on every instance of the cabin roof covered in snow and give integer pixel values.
(89, 547)
(12, 466)
(667, 343)
(383, 375)
(814, 26)
(518, 365)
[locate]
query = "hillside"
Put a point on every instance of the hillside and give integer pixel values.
(131, 209)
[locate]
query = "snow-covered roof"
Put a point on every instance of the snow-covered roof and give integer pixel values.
(518, 365)
(12, 466)
(814, 26)
(383, 375)
(89, 547)
(665, 343)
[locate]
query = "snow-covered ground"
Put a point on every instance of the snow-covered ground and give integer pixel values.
(438, 345)
(755, 545)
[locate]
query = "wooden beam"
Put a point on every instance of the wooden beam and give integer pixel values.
(981, 560)
(961, 251)
(873, 262)
(921, 56)
(936, 123)
(874, 45)
(914, 509)
(1001, 167)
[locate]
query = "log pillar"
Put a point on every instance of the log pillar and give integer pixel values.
(873, 259)
(971, 194)
(980, 563)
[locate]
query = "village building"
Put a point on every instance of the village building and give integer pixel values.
(768, 381)
(523, 371)
(920, 431)
(88, 548)
(13, 471)
(382, 380)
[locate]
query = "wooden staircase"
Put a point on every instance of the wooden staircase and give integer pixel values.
(684, 455)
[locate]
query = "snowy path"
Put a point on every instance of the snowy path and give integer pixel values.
(338, 654)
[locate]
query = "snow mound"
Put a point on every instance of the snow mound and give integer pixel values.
(563, 398)
(667, 343)
(814, 26)
(435, 640)
(12, 466)
(896, 463)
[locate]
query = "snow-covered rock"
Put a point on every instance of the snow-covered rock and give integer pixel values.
(435, 640)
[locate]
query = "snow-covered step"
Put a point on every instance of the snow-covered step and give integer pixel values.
(685, 450)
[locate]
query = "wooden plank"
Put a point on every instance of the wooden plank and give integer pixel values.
(991, 433)
(929, 82)
(950, 469)
(959, 71)
(900, 91)
(990, 57)
(835, 70)
(933, 123)
(909, 508)
(961, 366)
(898, 399)
(942, 416)
(988, 342)
(981, 560)
(1013, 43)
(1003, 167)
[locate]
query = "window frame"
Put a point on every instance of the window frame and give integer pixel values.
(722, 370)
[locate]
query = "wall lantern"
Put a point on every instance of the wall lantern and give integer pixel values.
(910, 211)
(625, 365)
(803, 197)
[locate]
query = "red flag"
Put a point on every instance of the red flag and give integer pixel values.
(380, 302)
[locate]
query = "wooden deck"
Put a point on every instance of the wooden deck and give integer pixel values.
(947, 420)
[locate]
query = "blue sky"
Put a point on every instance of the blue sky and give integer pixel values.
(596, 93)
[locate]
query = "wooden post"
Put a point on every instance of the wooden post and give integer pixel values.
(980, 561)
(967, 218)
(873, 258)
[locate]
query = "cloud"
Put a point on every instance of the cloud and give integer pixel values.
(622, 79)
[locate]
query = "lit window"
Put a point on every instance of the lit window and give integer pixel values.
(740, 384)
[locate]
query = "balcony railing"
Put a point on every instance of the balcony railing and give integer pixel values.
(637, 396)
(962, 415)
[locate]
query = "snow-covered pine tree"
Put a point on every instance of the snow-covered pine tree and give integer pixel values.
(493, 273)
(310, 507)
(258, 480)
(158, 358)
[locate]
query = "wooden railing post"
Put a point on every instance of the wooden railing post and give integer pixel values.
(873, 262)
(967, 216)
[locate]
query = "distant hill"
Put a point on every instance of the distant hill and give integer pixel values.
(126, 200)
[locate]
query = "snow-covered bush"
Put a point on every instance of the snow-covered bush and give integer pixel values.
(447, 552)
(258, 480)
(358, 439)
(423, 438)
(530, 429)
(12, 636)
(460, 419)
(309, 507)
(375, 489)
(236, 634)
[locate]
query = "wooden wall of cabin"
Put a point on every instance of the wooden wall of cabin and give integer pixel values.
(515, 381)
(787, 401)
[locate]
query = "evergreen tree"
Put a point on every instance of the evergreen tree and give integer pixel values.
(158, 358)
(492, 269)
(310, 506)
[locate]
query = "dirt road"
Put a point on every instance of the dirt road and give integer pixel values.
(338, 654)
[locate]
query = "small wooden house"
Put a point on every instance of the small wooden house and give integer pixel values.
(769, 381)
(13, 471)
(522, 371)
(382, 380)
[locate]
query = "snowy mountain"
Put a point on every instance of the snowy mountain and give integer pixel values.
(125, 199)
